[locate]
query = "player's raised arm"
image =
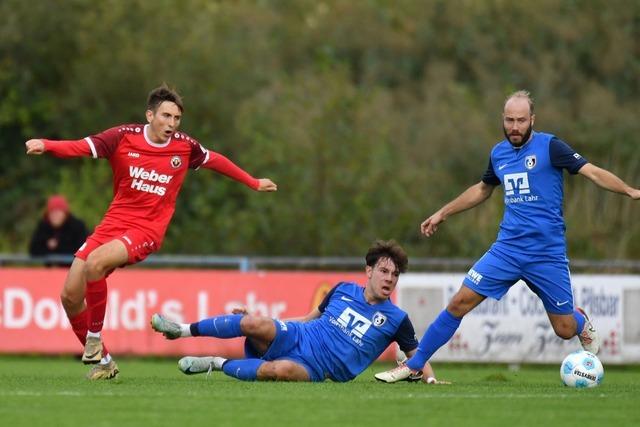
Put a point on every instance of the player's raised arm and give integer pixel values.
(225, 166)
(63, 149)
(470, 198)
(609, 181)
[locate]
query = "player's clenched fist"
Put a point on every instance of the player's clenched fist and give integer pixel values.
(267, 185)
(34, 146)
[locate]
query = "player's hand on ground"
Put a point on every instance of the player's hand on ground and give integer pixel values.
(265, 184)
(239, 310)
(430, 225)
(635, 194)
(434, 381)
(34, 146)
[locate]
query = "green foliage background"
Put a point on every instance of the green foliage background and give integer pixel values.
(368, 114)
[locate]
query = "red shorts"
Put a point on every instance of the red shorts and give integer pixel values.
(139, 245)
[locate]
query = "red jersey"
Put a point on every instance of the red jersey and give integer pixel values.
(147, 176)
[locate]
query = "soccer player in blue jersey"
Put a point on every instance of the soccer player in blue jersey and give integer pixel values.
(337, 340)
(531, 244)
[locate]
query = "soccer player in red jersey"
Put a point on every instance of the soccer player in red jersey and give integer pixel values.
(149, 164)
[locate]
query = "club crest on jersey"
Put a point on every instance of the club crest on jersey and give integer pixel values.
(530, 162)
(379, 319)
(176, 162)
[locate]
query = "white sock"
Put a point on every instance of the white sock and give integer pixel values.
(185, 330)
(105, 359)
(93, 334)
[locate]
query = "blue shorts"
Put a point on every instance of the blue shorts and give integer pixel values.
(549, 278)
(291, 344)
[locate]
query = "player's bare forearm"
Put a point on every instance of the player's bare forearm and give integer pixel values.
(313, 314)
(470, 198)
(609, 181)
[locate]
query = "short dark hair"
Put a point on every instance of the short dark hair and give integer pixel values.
(161, 94)
(387, 249)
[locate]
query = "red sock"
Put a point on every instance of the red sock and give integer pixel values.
(96, 297)
(79, 324)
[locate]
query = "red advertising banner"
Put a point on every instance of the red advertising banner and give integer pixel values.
(32, 319)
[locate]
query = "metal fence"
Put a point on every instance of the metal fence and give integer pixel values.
(253, 263)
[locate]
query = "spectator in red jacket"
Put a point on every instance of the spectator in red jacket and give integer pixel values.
(59, 232)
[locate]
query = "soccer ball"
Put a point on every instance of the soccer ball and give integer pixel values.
(581, 369)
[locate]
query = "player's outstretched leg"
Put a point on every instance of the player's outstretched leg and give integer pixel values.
(170, 329)
(225, 326)
(242, 369)
(191, 365)
(438, 333)
(588, 336)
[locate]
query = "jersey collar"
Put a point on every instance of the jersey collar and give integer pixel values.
(151, 143)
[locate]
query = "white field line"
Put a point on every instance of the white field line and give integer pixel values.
(84, 394)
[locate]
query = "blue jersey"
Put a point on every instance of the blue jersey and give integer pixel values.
(351, 333)
(532, 178)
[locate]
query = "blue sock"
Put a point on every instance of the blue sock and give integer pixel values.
(244, 369)
(438, 333)
(579, 321)
(227, 326)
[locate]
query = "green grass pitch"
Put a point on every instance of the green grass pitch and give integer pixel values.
(36, 391)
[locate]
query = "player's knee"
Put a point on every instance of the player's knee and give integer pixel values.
(458, 306)
(267, 372)
(286, 372)
(278, 371)
(93, 267)
(564, 330)
(283, 372)
(70, 300)
(253, 325)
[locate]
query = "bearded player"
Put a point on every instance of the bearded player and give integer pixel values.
(149, 164)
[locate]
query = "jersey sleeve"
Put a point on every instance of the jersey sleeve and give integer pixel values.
(221, 164)
(325, 302)
(67, 148)
(490, 176)
(104, 144)
(199, 155)
(564, 157)
(406, 335)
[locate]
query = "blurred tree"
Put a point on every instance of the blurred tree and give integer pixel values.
(368, 114)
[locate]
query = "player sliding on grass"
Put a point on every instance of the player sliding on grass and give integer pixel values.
(531, 244)
(337, 340)
(149, 164)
